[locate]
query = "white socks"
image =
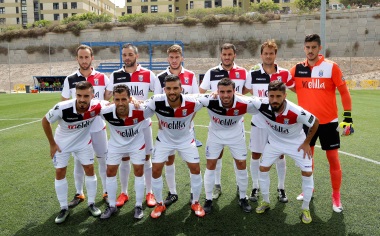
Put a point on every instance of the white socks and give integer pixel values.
(170, 178)
(218, 172)
(281, 172)
(61, 189)
(264, 181)
(102, 172)
(124, 170)
(209, 183)
(91, 183)
(139, 189)
(157, 186)
(78, 176)
(242, 181)
(307, 189)
(196, 186)
(255, 169)
(112, 189)
(148, 175)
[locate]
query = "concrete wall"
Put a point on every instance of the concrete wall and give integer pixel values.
(343, 30)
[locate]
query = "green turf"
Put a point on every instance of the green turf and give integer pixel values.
(29, 205)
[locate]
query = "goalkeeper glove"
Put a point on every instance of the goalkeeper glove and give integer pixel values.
(347, 124)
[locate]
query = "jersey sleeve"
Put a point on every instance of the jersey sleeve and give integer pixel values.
(157, 86)
(290, 83)
(248, 81)
(147, 112)
(195, 87)
(66, 92)
(54, 114)
(292, 72)
(152, 81)
(306, 118)
(150, 103)
(204, 99)
(110, 84)
(254, 104)
(206, 84)
(337, 75)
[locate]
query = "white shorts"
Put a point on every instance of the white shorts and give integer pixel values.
(147, 130)
(271, 154)
(85, 157)
(188, 152)
(258, 139)
(137, 157)
(99, 142)
(238, 150)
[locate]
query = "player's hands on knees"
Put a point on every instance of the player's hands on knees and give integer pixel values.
(306, 150)
(347, 125)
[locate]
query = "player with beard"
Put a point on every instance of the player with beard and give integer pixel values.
(284, 121)
(139, 80)
(316, 80)
(190, 86)
(226, 69)
(98, 131)
(72, 136)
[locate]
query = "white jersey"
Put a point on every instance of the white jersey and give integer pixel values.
(98, 80)
(139, 82)
(285, 128)
(73, 130)
(175, 123)
(126, 134)
(258, 81)
(225, 123)
(188, 82)
(214, 75)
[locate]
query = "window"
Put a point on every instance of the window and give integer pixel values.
(64, 5)
(42, 16)
(17, 10)
(276, 1)
(73, 14)
(218, 3)
(144, 9)
(153, 0)
(176, 9)
(73, 5)
(129, 0)
(56, 16)
(41, 6)
(23, 9)
(154, 9)
(55, 6)
(24, 19)
(23, 1)
(65, 15)
(170, 8)
(208, 4)
(129, 9)
(191, 4)
(2, 10)
(3, 21)
(286, 1)
(18, 20)
(187, 6)
(144, 0)
(1, 1)
(234, 4)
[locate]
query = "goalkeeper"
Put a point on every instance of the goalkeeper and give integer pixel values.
(316, 81)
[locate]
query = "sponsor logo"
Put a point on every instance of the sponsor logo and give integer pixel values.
(218, 76)
(303, 113)
(141, 78)
(311, 119)
(286, 121)
(278, 128)
(261, 79)
(127, 133)
(163, 111)
(84, 124)
(92, 113)
(173, 125)
(320, 73)
(262, 93)
(50, 115)
(136, 91)
(302, 72)
(184, 112)
(121, 78)
(314, 84)
(226, 122)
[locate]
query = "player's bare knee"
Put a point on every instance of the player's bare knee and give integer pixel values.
(112, 170)
(241, 164)
(60, 173)
(147, 157)
(265, 168)
(307, 173)
(89, 170)
(256, 155)
(125, 158)
(138, 170)
(170, 160)
(211, 164)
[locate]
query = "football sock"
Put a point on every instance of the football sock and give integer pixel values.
(242, 181)
(255, 169)
(148, 175)
(124, 170)
(281, 172)
(218, 172)
(264, 181)
(170, 178)
(102, 172)
(139, 189)
(307, 189)
(157, 186)
(78, 176)
(112, 189)
(61, 189)
(91, 184)
(196, 186)
(335, 170)
(209, 180)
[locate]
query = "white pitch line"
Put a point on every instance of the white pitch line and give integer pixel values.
(19, 125)
(20, 119)
(345, 153)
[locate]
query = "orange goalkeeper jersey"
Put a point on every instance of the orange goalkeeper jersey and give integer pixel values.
(315, 87)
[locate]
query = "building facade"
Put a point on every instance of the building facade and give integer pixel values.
(20, 13)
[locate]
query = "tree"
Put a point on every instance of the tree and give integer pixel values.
(307, 4)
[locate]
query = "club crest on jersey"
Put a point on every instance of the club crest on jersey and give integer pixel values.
(320, 73)
(236, 112)
(279, 78)
(92, 113)
(135, 121)
(237, 75)
(141, 78)
(96, 81)
(186, 80)
(286, 121)
(184, 112)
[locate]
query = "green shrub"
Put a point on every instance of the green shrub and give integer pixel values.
(210, 21)
(60, 48)
(245, 20)
(264, 7)
(279, 43)
(42, 23)
(103, 26)
(58, 29)
(42, 49)
(189, 21)
(73, 49)
(3, 50)
(252, 45)
(91, 17)
(212, 50)
(114, 49)
(76, 26)
(328, 52)
(262, 18)
(290, 43)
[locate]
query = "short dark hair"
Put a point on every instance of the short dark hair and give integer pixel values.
(83, 85)
(120, 88)
(172, 78)
(228, 46)
(84, 47)
(226, 82)
(133, 47)
(313, 38)
(276, 85)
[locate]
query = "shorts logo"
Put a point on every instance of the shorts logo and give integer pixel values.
(320, 73)
(279, 78)
(186, 80)
(237, 75)
(135, 121)
(286, 121)
(184, 112)
(141, 78)
(236, 112)
(96, 81)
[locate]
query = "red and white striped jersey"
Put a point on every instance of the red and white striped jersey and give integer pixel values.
(188, 82)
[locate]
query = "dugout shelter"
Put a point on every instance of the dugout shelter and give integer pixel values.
(48, 83)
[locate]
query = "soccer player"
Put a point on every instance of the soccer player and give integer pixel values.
(99, 81)
(226, 129)
(190, 86)
(72, 135)
(227, 68)
(140, 81)
(127, 139)
(284, 122)
(258, 79)
(316, 80)
(175, 113)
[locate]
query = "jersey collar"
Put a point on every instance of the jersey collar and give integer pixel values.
(233, 104)
(221, 67)
(93, 72)
(182, 101)
(321, 59)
